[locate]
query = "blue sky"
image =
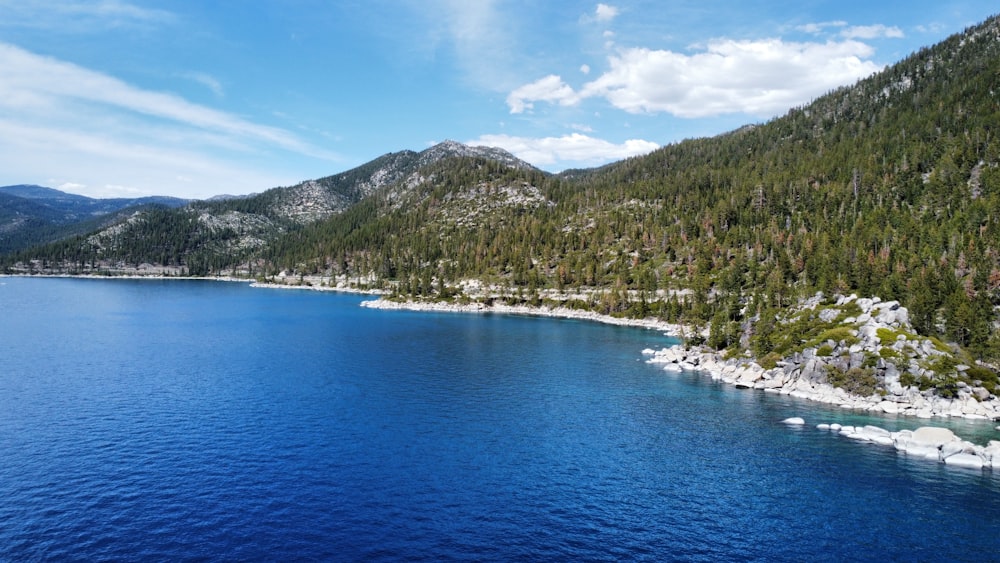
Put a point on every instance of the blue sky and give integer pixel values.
(123, 98)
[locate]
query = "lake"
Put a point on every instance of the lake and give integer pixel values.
(193, 420)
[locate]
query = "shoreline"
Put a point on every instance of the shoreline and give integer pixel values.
(671, 330)
(339, 288)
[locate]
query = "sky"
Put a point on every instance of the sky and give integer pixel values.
(195, 98)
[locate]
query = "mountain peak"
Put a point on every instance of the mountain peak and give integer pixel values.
(451, 149)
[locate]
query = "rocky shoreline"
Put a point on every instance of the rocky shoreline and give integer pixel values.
(877, 343)
(788, 380)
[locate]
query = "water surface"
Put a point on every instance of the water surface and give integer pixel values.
(184, 420)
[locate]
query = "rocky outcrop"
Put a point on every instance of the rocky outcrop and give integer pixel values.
(928, 442)
(875, 351)
(794, 379)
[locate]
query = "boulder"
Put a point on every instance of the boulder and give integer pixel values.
(932, 436)
(865, 304)
(794, 421)
(971, 461)
(828, 315)
(949, 449)
(927, 452)
(902, 316)
(876, 431)
(890, 407)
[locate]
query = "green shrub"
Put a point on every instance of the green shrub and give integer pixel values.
(843, 334)
(857, 381)
(824, 350)
(888, 353)
(947, 388)
(982, 374)
(941, 365)
(907, 379)
(770, 361)
(870, 361)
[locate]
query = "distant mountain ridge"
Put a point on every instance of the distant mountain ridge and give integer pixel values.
(73, 203)
(31, 214)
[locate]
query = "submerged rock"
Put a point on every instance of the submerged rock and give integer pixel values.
(795, 420)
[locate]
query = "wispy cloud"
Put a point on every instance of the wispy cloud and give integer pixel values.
(819, 27)
(872, 32)
(479, 34)
(206, 80)
(568, 151)
(80, 16)
(32, 80)
(761, 78)
(103, 131)
(875, 31)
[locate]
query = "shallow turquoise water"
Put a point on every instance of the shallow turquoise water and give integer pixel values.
(205, 420)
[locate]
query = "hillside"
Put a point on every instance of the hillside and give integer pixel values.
(232, 234)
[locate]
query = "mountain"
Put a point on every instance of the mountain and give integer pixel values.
(889, 187)
(206, 236)
(32, 214)
(318, 199)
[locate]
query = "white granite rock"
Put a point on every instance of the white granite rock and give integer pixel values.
(932, 436)
(965, 460)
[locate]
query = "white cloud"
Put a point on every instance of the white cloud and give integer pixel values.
(871, 32)
(569, 150)
(604, 12)
(761, 78)
(585, 69)
(548, 89)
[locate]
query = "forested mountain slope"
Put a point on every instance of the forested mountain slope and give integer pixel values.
(890, 187)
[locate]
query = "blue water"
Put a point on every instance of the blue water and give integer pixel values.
(180, 420)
